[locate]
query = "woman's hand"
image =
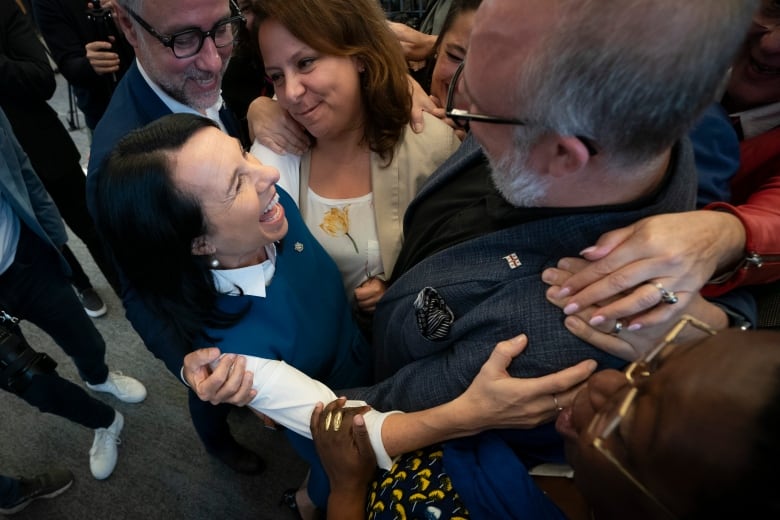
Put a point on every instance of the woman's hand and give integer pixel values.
(342, 443)
(421, 102)
(627, 341)
(274, 128)
(680, 251)
(369, 293)
(227, 382)
(495, 399)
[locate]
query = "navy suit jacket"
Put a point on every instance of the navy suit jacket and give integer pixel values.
(23, 190)
(493, 298)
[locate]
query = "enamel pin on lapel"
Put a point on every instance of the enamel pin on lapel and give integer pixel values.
(513, 261)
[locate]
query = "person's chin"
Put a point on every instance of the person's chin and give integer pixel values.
(202, 99)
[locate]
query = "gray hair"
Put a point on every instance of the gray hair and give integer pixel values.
(632, 75)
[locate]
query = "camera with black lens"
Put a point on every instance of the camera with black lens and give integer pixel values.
(19, 362)
(103, 20)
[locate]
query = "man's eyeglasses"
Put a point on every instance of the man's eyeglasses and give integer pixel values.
(604, 424)
(189, 42)
(461, 117)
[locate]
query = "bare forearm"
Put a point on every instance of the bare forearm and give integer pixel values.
(402, 433)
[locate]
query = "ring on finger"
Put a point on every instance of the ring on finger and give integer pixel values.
(328, 418)
(337, 417)
(667, 296)
(617, 328)
(558, 407)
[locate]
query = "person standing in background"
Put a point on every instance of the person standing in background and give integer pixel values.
(26, 83)
(87, 47)
(34, 287)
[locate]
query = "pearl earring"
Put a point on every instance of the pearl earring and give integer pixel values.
(214, 263)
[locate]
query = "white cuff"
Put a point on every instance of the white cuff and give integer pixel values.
(374, 422)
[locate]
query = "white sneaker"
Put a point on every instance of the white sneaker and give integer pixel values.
(122, 387)
(103, 454)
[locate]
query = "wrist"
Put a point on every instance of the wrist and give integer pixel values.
(731, 241)
(347, 504)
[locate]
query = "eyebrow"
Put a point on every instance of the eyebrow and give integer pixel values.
(454, 47)
(294, 58)
(178, 29)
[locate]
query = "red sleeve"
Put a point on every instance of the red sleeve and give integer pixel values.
(756, 202)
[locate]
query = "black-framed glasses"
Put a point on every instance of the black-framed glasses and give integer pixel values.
(605, 424)
(461, 118)
(189, 42)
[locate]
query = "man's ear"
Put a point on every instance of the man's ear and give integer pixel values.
(125, 24)
(569, 157)
(559, 156)
(202, 247)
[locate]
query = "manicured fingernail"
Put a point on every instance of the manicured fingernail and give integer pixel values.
(634, 327)
(564, 292)
(587, 250)
(597, 320)
(571, 308)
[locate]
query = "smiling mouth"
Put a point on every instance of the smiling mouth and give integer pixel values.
(764, 69)
(268, 212)
(307, 111)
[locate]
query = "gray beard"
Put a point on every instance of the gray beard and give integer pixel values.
(517, 182)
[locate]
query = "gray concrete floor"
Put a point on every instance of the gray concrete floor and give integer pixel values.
(80, 135)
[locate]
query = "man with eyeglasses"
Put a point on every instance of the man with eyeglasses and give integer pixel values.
(734, 246)
(581, 109)
(574, 144)
(182, 49)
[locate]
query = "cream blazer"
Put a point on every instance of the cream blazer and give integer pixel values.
(394, 186)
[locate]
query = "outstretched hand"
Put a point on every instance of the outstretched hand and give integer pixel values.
(498, 400)
(219, 379)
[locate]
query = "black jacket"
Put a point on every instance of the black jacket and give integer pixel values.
(67, 29)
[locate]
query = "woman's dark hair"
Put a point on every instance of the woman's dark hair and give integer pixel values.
(457, 7)
(150, 225)
(425, 75)
(355, 28)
